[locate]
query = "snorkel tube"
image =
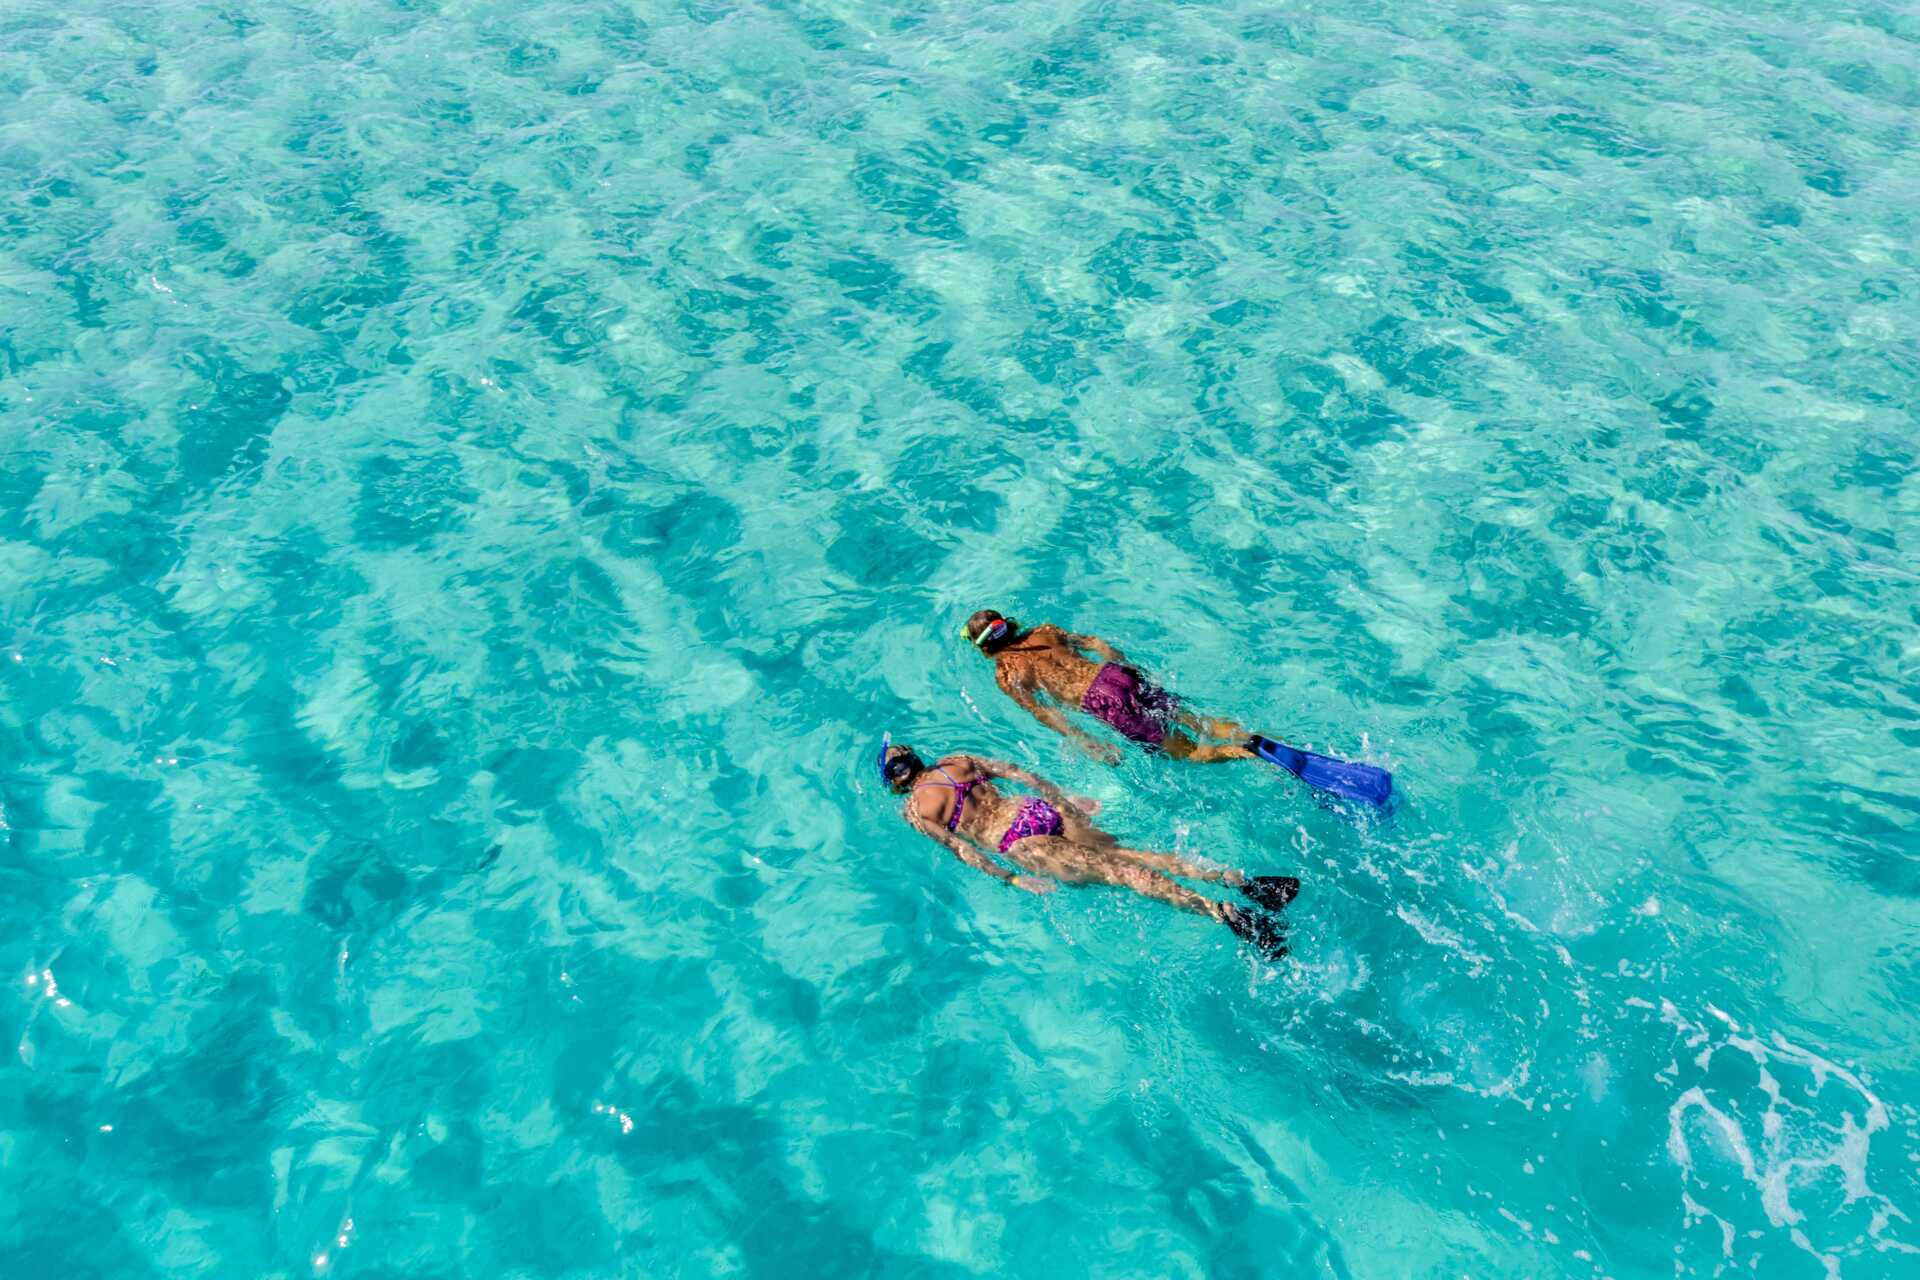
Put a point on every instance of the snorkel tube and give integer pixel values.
(898, 770)
(991, 631)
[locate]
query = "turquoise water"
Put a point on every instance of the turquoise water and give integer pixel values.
(478, 477)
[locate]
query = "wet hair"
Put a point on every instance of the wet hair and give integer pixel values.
(890, 770)
(983, 619)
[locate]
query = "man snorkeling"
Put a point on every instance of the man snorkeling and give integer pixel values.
(1048, 662)
(1050, 837)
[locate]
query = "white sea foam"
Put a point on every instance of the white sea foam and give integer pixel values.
(1789, 1146)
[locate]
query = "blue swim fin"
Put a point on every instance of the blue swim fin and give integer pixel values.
(1364, 782)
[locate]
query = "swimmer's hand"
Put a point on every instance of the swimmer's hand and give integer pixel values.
(1085, 804)
(1033, 884)
(1104, 752)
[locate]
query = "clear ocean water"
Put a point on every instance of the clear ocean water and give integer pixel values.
(479, 476)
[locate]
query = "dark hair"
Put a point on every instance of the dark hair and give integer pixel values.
(979, 622)
(893, 771)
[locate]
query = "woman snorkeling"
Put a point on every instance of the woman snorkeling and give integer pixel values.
(1049, 837)
(1046, 662)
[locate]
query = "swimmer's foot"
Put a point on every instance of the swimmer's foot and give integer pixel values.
(1271, 892)
(1264, 932)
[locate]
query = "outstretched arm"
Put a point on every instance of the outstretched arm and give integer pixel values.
(1085, 806)
(1004, 769)
(1094, 644)
(979, 861)
(1056, 720)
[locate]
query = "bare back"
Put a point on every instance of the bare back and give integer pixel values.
(985, 814)
(1046, 660)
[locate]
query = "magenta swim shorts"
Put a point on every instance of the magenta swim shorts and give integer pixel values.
(1135, 707)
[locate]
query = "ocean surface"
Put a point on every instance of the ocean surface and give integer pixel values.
(479, 477)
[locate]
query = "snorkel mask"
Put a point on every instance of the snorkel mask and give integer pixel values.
(992, 631)
(897, 770)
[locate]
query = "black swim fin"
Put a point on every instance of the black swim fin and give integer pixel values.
(1271, 892)
(1264, 932)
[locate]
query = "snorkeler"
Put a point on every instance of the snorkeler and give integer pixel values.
(1050, 837)
(1047, 661)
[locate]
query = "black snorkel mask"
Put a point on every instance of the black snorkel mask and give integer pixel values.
(898, 769)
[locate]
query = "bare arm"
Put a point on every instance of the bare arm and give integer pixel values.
(1084, 806)
(1095, 645)
(964, 851)
(1056, 720)
(1003, 769)
(960, 849)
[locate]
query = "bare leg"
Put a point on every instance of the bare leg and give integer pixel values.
(1154, 885)
(1080, 864)
(1078, 827)
(1207, 727)
(1073, 863)
(1271, 892)
(1174, 865)
(1181, 747)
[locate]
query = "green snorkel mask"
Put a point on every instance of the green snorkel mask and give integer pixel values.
(992, 631)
